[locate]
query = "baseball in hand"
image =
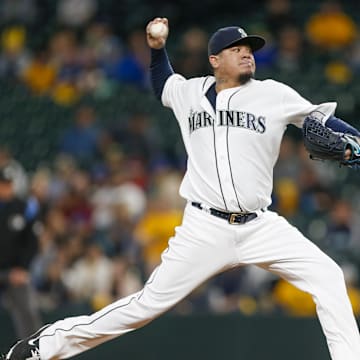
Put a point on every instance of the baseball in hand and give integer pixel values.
(158, 30)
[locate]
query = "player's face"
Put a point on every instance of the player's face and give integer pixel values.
(234, 64)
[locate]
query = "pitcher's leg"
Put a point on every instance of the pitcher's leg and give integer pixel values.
(304, 265)
(187, 263)
(324, 280)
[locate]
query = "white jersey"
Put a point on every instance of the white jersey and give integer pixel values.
(232, 152)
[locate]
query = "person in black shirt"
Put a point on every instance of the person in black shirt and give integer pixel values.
(18, 245)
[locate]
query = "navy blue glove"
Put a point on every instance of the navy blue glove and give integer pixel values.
(323, 143)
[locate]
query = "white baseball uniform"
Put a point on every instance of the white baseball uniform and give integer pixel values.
(231, 153)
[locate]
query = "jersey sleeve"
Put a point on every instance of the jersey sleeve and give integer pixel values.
(296, 108)
(173, 91)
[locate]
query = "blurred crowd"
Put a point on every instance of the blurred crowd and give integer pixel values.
(73, 54)
(73, 48)
(109, 201)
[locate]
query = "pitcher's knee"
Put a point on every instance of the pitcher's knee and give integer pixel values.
(336, 272)
(332, 275)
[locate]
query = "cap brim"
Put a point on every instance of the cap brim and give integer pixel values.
(255, 42)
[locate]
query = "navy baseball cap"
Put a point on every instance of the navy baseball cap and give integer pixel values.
(232, 35)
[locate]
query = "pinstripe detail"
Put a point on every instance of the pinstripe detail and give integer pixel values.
(231, 174)
(217, 168)
(100, 317)
(215, 154)
(228, 154)
(85, 324)
(206, 79)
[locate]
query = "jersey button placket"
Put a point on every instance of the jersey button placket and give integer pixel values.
(222, 155)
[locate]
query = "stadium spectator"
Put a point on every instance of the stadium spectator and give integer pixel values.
(279, 14)
(75, 204)
(161, 217)
(14, 56)
(50, 261)
(82, 139)
(90, 278)
(76, 13)
(21, 179)
(131, 68)
(339, 230)
(331, 28)
(40, 74)
(289, 54)
(64, 55)
(191, 55)
(19, 232)
(135, 138)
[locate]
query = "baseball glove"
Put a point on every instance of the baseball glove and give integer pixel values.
(324, 143)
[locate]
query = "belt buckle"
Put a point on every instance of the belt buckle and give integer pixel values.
(232, 218)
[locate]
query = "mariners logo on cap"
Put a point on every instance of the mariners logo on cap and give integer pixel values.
(242, 32)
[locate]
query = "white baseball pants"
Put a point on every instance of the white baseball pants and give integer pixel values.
(202, 247)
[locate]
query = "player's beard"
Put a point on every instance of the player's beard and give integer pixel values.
(245, 77)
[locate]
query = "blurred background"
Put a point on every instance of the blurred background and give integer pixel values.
(99, 161)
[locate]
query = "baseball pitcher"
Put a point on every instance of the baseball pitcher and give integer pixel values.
(232, 126)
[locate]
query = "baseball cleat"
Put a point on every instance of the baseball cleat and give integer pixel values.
(27, 349)
(23, 350)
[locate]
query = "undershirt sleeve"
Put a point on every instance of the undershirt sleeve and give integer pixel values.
(160, 70)
(339, 125)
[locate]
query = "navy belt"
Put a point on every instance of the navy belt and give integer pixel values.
(232, 218)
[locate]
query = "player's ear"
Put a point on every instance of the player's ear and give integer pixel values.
(214, 61)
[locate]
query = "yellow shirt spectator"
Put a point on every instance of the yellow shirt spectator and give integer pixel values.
(298, 303)
(294, 301)
(331, 28)
(40, 76)
(154, 231)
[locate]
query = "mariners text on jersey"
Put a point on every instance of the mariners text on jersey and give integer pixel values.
(232, 118)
